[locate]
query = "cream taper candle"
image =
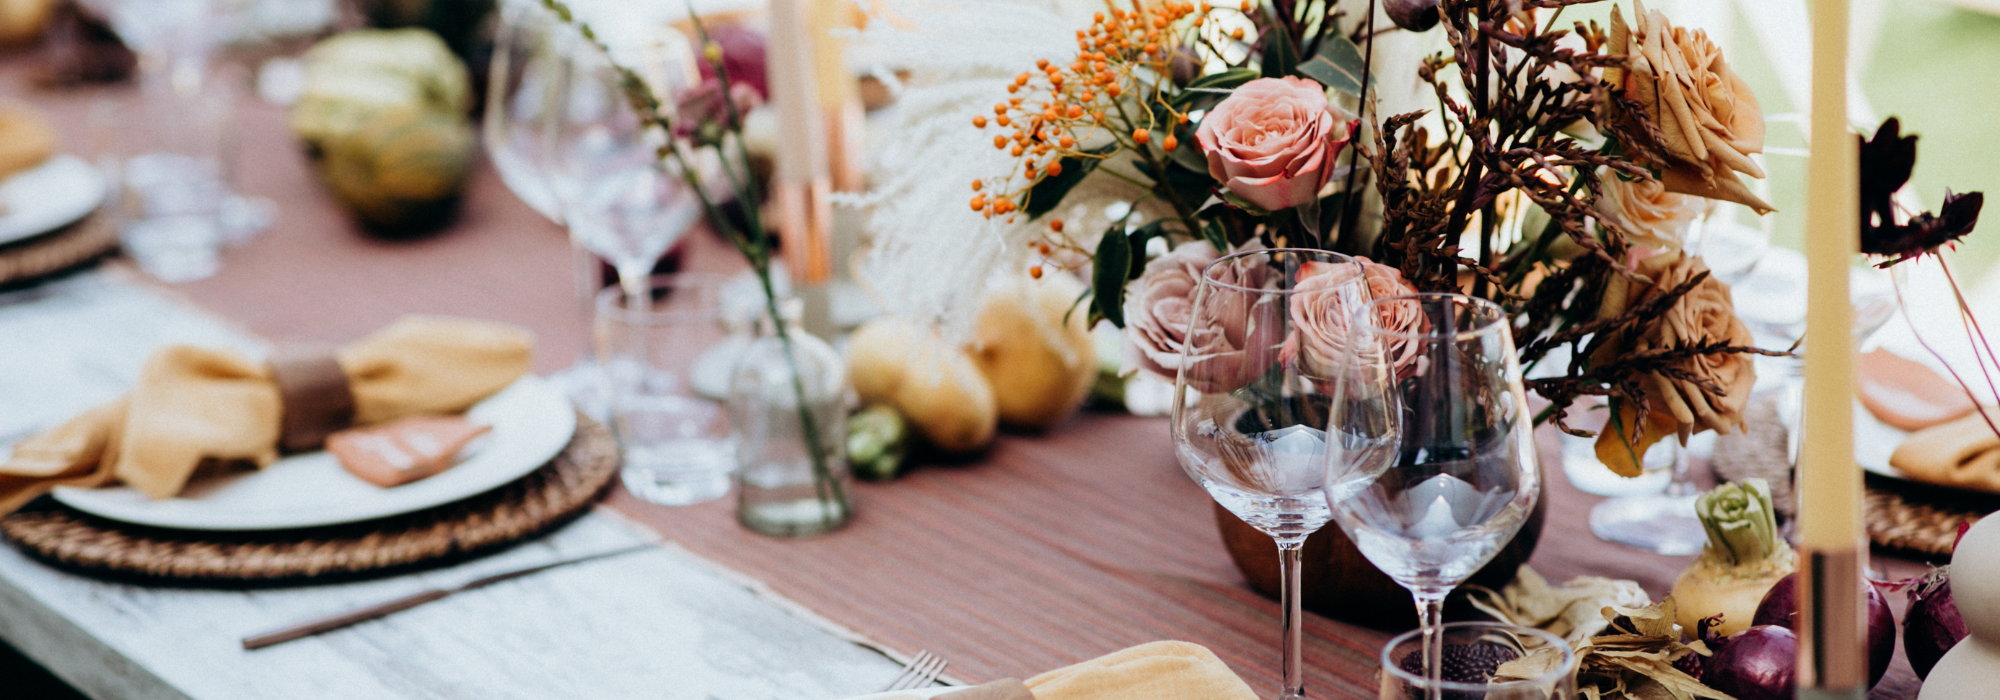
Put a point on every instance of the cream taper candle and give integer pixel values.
(1832, 656)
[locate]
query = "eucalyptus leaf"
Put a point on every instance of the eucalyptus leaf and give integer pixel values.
(1107, 276)
(1212, 231)
(1337, 64)
(1139, 238)
(1189, 155)
(1281, 58)
(1049, 192)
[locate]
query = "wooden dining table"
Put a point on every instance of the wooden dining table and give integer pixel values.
(1049, 548)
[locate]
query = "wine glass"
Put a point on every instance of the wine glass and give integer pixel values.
(1250, 400)
(1431, 460)
(522, 88)
(616, 194)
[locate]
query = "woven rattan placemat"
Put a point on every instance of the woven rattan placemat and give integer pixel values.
(23, 262)
(1920, 518)
(560, 490)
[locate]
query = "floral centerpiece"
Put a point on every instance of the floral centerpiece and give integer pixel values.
(1563, 191)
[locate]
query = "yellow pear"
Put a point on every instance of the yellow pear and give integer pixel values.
(933, 384)
(1034, 351)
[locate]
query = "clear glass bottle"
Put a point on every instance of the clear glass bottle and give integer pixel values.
(784, 489)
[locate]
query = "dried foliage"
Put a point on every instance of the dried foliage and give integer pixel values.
(1533, 142)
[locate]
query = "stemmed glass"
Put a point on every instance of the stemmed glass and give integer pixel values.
(1430, 465)
(569, 142)
(1250, 399)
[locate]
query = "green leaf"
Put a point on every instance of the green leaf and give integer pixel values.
(1212, 230)
(1280, 57)
(1330, 208)
(1207, 90)
(1050, 191)
(1189, 185)
(1226, 80)
(1337, 64)
(1244, 204)
(1189, 156)
(1107, 276)
(1139, 239)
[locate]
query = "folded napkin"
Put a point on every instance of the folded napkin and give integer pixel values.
(1154, 671)
(1963, 453)
(193, 404)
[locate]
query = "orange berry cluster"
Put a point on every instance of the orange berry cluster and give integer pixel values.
(1056, 106)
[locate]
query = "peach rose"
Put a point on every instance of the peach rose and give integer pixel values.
(1645, 211)
(1237, 340)
(1708, 119)
(1273, 142)
(1323, 305)
(1678, 405)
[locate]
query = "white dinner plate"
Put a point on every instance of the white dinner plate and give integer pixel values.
(48, 197)
(925, 693)
(531, 423)
(1875, 441)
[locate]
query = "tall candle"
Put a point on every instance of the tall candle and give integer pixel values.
(1832, 655)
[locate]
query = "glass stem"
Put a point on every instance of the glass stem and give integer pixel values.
(1680, 485)
(1293, 646)
(632, 278)
(1430, 612)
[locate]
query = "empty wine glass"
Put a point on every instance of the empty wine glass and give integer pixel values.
(1431, 460)
(1250, 400)
(522, 89)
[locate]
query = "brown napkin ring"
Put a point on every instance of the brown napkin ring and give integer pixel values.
(1003, 689)
(313, 397)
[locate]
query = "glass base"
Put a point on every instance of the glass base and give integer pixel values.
(1664, 524)
(671, 489)
(799, 517)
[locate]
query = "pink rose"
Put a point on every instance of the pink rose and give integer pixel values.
(1273, 142)
(1238, 334)
(1323, 305)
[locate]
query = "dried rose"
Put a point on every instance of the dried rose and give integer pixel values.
(1273, 142)
(1676, 404)
(1645, 211)
(1227, 350)
(1323, 305)
(1708, 119)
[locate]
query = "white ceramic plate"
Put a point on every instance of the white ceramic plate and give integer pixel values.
(1875, 441)
(531, 423)
(47, 197)
(925, 693)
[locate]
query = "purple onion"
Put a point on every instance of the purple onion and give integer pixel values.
(1780, 607)
(1414, 15)
(1756, 664)
(1931, 626)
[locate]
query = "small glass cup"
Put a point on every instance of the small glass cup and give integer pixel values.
(1467, 656)
(678, 447)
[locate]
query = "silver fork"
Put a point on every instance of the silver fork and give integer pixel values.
(921, 672)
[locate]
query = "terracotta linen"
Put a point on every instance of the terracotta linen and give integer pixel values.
(1155, 671)
(194, 404)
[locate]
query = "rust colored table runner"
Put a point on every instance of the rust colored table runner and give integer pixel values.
(1050, 549)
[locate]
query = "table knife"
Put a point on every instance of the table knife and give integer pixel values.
(337, 621)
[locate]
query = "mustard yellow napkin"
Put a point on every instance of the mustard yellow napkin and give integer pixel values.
(193, 404)
(1154, 671)
(1963, 453)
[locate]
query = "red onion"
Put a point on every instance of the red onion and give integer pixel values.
(1414, 15)
(1756, 664)
(1931, 626)
(1781, 604)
